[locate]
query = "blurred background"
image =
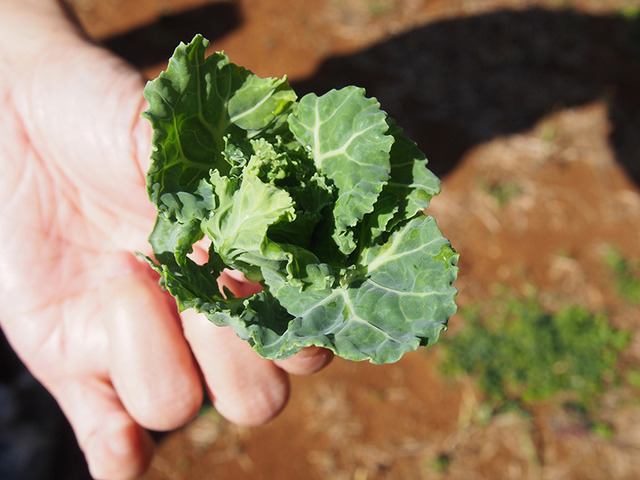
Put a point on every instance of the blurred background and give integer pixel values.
(529, 111)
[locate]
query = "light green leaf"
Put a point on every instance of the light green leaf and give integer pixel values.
(345, 133)
(258, 105)
(193, 106)
(412, 184)
(407, 193)
(238, 225)
(320, 201)
(401, 300)
(193, 286)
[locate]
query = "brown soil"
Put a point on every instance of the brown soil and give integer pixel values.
(530, 113)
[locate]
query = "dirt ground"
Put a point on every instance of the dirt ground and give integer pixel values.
(529, 111)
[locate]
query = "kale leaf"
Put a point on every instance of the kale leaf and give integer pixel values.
(320, 200)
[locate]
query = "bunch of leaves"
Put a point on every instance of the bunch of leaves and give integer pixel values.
(627, 274)
(319, 199)
(519, 353)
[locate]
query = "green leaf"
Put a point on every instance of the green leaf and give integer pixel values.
(412, 184)
(400, 301)
(407, 193)
(194, 106)
(258, 105)
(238, 225)
(345, 133)
(193, 286)
(319, 200)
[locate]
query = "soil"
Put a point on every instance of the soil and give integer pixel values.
(529, 111)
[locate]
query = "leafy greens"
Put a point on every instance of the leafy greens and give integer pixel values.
(320, 200)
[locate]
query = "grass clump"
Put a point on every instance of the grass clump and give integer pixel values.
(519, 353)
(503, 192)
(627, 274)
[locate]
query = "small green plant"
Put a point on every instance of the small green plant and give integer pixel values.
(627, 274)
(630, 11)
(380, 8)
(502, 191)
(548, 133)
(441, 463)
(520, 353)
(602, 429)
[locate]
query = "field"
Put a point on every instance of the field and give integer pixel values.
(529, 111)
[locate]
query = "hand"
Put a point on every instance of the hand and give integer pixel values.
(86, 317)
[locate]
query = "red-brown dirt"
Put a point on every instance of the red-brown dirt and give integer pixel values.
(530, 113)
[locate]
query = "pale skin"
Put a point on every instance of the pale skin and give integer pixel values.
(86, 317)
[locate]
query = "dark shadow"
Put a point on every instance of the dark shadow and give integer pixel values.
(36, 441)
(154, 43)
(456, 83)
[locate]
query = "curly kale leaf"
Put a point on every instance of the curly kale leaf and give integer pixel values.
(321, 200)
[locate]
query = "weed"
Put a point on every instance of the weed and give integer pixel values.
(502, 191)
(379, 8)
(630, 12)
(627, 274)
(520, 353)
(441, 463)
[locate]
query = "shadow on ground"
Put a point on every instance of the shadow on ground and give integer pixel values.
(154, 43)
(454, 84)
(36, 442)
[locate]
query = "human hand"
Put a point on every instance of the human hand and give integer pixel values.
(86, 317)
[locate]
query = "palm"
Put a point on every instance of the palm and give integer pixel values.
(73, 208)
(64, 215)
(56, 286)
(58, 265)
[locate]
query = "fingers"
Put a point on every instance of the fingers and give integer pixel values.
(153, 369)
(150, 362)
(307, 361)
(152, 366)
(114, 445)
(245, 388)
(236, 282)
